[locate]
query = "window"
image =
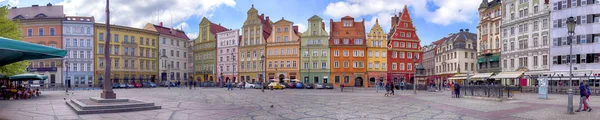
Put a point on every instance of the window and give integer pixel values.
(324, 65)
(40, 31)
(51, 31)
(324, 53)
(336, 64)
(345, 64)
(101, 49)
(345, 53)
(101, 37)
(346, 41)
(337, 79)
(29, 32)
(401, 67)
(394, 66)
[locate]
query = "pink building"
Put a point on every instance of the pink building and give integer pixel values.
(227, 51)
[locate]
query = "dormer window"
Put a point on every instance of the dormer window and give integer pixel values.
(405, 24)
(347, 23)
(41, 15)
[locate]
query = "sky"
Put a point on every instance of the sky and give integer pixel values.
(433, 19)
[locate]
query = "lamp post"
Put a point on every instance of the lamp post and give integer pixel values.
(68, 81)
(262, 86)
(571, 31)
(414, 78)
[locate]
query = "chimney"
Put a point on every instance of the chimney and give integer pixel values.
(49, 4)
(394, 21)
(161, 24)
(461, 30)
(35, 5)
(467, 30)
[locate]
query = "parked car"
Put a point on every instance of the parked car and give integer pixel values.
(137, 85)
(291, 85)
(115, 85)
(275, 85)
(129, 85)
(148, 84)
(122, 85)
(250, 85)
(299, 85)
(328, 86)
(166, 84)
(319, 86)
(309, 86)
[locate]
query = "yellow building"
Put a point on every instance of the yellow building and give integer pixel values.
(376, 57)
(283, 47)
(133, 53)
(255, 31)
(205, 50)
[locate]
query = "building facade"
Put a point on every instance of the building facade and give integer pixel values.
(525, 41)
(376, 55)
(404, 49)
(282, 57)
(205, 48)
(43, 25)
(488, 36)
(227, 54)
(133, 54)
(315, 57)
(78, 35)
(255, 32)
(429, 52)
(585, 41)
(173, 54)
(347, 46)
(456, 55)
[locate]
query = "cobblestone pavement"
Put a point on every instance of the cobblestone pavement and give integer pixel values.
(252, 104)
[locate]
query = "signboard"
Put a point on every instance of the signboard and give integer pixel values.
(543, 88)
(44, 69)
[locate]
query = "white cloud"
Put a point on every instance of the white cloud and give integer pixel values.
(182, 26)
(138, 13)
(450, 11)
(192, 35)
(301, 28)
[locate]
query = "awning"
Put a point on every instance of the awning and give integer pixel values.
(508, 75)
(23, 77)
(481, 76)
(492, 59)
(14, 51)
(458, 77)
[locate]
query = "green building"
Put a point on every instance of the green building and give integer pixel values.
(315, 58)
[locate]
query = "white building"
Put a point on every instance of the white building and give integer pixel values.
(525, 42)
(173, 53)
(227, 54)
(78, 36)
(586, 41)
(456, 54)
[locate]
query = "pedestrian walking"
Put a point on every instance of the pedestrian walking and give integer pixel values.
(583, 92)
(377, 87)
(387, 89)
(457, 90)
(392, 89)
(243, 85)
(402, 84)
(229, 86)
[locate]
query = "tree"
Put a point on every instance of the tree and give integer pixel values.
(10, 29)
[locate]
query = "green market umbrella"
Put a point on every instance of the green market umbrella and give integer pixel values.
(27, 76)
(14, 51)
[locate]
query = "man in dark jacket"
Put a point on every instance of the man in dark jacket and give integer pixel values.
(457, 90)
(582, 100)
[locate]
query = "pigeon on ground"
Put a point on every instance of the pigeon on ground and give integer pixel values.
(271, 106)
(65, 98)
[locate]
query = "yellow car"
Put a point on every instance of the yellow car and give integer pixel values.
(275, 85)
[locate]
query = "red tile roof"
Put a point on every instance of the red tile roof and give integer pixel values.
(167, 31)
(266, 26)
(216, 28)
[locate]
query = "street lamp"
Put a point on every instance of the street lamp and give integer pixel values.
(571, 31)
(262, 86)
(414, 78)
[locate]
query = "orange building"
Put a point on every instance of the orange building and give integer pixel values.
(347, 46)
(283, 47)
(43, 25)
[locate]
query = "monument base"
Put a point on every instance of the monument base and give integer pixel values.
(108, 95)
(101, 105)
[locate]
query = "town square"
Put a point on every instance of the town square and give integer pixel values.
(299, 59)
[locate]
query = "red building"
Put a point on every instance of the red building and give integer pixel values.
(347, 49)
(403, 47)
